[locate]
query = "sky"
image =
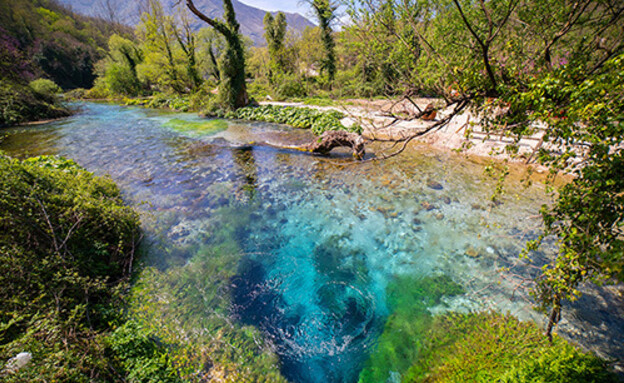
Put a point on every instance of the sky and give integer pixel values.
(281, 5)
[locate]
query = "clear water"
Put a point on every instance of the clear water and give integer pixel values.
(321, 237)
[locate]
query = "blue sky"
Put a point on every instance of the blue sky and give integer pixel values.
(281, 5)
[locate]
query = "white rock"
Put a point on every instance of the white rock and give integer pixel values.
(17, 362)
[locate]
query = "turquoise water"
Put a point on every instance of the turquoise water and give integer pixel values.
(321, 239)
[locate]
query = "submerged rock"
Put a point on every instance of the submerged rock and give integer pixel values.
(427, 206)
(471, 252)
(431, 184)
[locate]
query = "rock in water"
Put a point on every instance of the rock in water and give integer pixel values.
(434, 185)
(17, 362)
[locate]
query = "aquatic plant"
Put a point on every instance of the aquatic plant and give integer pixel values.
(301, 118)
(401, 341)
(204, 127)
(460, 348)
(187, 307)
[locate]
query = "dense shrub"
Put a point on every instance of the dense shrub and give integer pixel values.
(66, 246)
(45, 87)
(19, 103)
(287, 86)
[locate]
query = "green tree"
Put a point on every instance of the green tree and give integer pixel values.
(553, 67)
(157, 34)
(325, 12)
(119, 70)
(232, 87)
(188, 42)
(275, 33)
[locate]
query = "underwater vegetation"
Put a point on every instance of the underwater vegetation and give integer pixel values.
(416, 346)
(197, 128)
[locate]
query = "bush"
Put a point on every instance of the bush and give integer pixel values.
(66, 246)
(288, 86)
(19, 103)
(120, 80)
(45, 87)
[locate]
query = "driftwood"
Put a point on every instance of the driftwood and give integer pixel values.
(334, 139)
(328, 141)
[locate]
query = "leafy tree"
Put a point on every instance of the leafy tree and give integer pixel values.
(325, 12)
(232, 87)
(188, 43)
(274, 33)
(119, 69)
(157, 35)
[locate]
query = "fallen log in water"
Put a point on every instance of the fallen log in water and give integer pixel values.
(330, 140)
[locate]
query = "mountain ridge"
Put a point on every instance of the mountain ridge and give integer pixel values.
(128, 12)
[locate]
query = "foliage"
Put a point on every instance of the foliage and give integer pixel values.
(287, 86)
(19, 103)
(206, 127)
(118, 71)
(66, 247)
(459, 348)
(325, 13)
(44, 39)
(301, 118)
(141, 357)
(45, 87)
(232, 87)
(180, 103)
(275, 33)
(187, 306)
(584, 112)
(552, 68)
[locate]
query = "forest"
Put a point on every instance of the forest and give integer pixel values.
(159, 181)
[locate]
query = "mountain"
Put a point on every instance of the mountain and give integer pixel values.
(129, 11)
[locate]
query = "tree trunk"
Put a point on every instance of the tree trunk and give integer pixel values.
(334, 139)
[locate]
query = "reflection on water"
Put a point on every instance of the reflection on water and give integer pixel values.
(321, 239)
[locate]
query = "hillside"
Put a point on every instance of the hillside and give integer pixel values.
(40, 38)
(128, 12)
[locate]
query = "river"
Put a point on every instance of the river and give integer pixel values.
(318, 239)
